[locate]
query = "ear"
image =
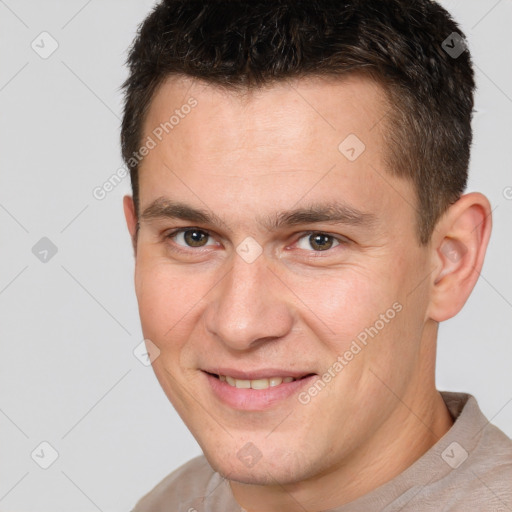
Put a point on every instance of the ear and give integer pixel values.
(458, 248)
(131, 220)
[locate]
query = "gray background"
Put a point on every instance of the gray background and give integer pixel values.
(68, 375)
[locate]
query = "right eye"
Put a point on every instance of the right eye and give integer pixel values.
(190, 237)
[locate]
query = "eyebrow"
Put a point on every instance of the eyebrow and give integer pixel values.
(331, 213)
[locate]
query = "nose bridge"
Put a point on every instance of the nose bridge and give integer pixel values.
(246, 307)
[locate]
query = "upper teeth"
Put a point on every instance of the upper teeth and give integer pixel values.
(256, 383)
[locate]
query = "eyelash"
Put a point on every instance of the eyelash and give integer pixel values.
(181, 249)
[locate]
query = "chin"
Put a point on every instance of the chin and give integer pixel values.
(277, 467)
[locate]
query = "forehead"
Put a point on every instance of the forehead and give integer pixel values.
(317, 109)
(312, 137)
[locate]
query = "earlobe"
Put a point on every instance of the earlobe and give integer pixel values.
(131, 220)
(458, 250)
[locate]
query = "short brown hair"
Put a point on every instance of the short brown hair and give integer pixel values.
(399, 43)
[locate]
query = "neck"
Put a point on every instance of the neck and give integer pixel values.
(421, 419)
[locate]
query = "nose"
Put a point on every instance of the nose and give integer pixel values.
(249, 306)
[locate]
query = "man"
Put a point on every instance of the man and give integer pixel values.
(300, 229)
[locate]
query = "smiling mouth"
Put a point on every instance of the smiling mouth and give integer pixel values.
(257, 383)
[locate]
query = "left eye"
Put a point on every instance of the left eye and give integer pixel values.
(191, 237)
(318, 241)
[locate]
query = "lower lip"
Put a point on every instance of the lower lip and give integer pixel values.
(255, 399)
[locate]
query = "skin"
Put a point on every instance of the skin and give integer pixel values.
(245, 157)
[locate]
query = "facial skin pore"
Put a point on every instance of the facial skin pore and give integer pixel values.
(244, 160)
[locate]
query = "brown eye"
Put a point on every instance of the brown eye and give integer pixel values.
(190, 237)
(317, 242)
(195, 238)
(320, 241)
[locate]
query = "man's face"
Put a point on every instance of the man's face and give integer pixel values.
(257, 294)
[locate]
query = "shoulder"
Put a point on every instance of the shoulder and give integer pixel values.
(490, 465)
(178, 488)
(480, 455)
(484, 480)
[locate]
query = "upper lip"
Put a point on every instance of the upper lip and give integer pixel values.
(264, 373)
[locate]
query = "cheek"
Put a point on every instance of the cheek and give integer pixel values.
(168, 301)
(364, 316)
(343, 303)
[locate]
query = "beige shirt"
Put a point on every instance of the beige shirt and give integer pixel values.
(468, 470)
